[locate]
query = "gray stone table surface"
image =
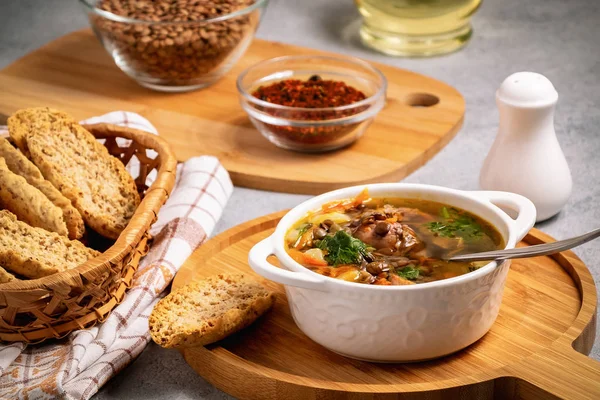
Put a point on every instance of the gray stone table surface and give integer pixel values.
(560, 39)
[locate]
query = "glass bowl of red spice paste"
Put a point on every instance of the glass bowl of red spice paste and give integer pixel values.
(312, 103)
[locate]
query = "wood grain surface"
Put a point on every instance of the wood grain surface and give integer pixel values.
(535, 349)
(75, 74)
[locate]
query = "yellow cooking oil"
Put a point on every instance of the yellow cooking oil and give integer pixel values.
(416, 27)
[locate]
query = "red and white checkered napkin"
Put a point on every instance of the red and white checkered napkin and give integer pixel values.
(79, 365)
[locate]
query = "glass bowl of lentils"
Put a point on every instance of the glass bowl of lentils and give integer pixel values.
(312, 103)
(175, 45)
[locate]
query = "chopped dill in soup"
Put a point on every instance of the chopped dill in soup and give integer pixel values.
(389, 241)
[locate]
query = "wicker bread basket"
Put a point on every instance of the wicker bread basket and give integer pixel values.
(51, 307)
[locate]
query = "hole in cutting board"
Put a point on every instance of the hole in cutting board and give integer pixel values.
(422, 100)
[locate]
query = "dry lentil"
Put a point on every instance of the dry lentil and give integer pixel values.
(174, 53)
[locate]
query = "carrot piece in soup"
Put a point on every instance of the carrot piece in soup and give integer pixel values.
(348, 203)
(362, 197)
(304, 240)
(381, 281)
(306, 259)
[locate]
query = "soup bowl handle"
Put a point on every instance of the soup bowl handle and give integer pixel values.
(257, 258)
(526, 212)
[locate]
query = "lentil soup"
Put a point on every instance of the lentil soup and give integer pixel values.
(389, 241)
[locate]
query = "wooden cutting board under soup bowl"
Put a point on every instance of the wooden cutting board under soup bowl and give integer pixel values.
(535, 349)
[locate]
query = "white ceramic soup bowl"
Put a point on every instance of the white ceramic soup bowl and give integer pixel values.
(397, 323)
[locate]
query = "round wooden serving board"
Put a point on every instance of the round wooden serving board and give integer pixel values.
(75, 74)
(534, 350)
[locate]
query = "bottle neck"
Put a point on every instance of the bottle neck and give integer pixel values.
(526, 122)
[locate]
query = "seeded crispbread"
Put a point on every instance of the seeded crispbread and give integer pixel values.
(28, 203)
(23, 122)
(79, 166)
(6, 276)
(35, 252)
(20, 165)
(208, 310)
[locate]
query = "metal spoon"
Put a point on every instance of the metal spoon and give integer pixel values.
(529, 251)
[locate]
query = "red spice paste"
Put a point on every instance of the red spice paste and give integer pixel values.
(312, 93)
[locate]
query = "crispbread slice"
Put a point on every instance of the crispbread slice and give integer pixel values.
(208, 310)
(6, 276)
(28, 203)
(35, 252)
(20, 165)
(80, 167)
(17, 162)
(21, 123)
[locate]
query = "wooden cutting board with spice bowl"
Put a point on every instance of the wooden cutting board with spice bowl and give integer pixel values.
(420, 116)
(535, 349)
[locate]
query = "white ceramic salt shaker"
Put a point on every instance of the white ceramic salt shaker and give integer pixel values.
(526, 157)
